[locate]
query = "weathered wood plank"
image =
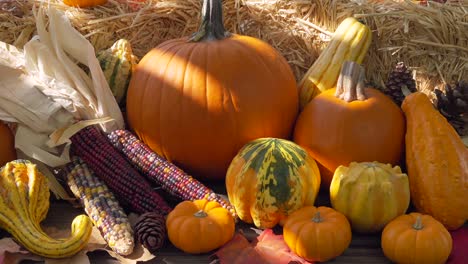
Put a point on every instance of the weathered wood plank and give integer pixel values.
(363, 248)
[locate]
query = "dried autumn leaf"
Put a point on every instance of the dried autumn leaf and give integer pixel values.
(268, 248)
(13, 253)
(139, 254)
(96, 242)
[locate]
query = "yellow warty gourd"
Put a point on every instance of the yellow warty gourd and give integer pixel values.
(369, 194)
(24, 203)
(350, 42)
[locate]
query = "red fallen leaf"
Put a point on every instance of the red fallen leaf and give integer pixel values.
(268, 248)
(459, 253)
(238, 251)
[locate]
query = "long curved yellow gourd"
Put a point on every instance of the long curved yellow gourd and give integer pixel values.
(24, 203)
(350, 42)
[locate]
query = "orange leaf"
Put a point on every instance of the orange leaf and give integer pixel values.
(268, 248)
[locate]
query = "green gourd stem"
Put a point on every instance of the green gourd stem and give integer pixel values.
(317, 218)
(350, 85)
(418, 225)
(212, 26)
(200, 214)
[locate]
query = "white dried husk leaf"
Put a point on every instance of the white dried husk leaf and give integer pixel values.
(45, 90)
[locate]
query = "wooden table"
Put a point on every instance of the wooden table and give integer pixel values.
(363, 249)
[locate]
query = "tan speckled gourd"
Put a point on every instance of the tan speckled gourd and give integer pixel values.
(437, 163)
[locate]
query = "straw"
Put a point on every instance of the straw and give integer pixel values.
(432, 38)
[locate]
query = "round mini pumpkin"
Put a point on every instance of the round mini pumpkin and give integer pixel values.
(199, 226)
(351, 123)
(369, 194)
(269, 179)
(416, 238)
(317, 234)
(197, 100)
(7, 143)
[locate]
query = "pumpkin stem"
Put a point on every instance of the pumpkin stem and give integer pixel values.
(211, 27)
(350, 85)
(200, 214)
(317, 218)
(418, 224)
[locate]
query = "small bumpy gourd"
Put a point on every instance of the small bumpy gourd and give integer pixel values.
(24, 203)
(369, 194)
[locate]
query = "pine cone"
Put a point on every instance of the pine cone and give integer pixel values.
(453, 104)
(398, 78)
(150, 230)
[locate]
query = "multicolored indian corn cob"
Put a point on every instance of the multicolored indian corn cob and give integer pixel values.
(171, 178)
(101, 206)
(128, 185)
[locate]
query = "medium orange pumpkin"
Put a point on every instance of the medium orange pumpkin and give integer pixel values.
(317, 233)
(416, 238)
(7, 143)
(197, 100)
(351, 123)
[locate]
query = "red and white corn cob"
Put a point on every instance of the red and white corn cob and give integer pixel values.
(162, 172)
(127, 184)
(101, 206)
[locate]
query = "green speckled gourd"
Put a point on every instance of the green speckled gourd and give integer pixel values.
(270, 178)
(24, 203)
(118, 63)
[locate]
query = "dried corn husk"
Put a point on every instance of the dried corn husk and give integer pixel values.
(45, 90)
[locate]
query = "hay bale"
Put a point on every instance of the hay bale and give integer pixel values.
(431, 39)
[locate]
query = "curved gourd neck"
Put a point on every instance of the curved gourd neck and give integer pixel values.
(212, 26)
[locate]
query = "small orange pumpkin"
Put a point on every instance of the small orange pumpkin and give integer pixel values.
(317, 233)
(199, 226)
(7, 143)
(416, 238)
(84, 3)
(351, 123)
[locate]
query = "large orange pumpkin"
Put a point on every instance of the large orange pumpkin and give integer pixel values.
(351, 123)
(197, 100)
(7, 143)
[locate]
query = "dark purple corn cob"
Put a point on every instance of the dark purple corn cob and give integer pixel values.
(162, 172)
(128, 185)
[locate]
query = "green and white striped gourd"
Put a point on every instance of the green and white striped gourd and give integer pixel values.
(117, 63)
